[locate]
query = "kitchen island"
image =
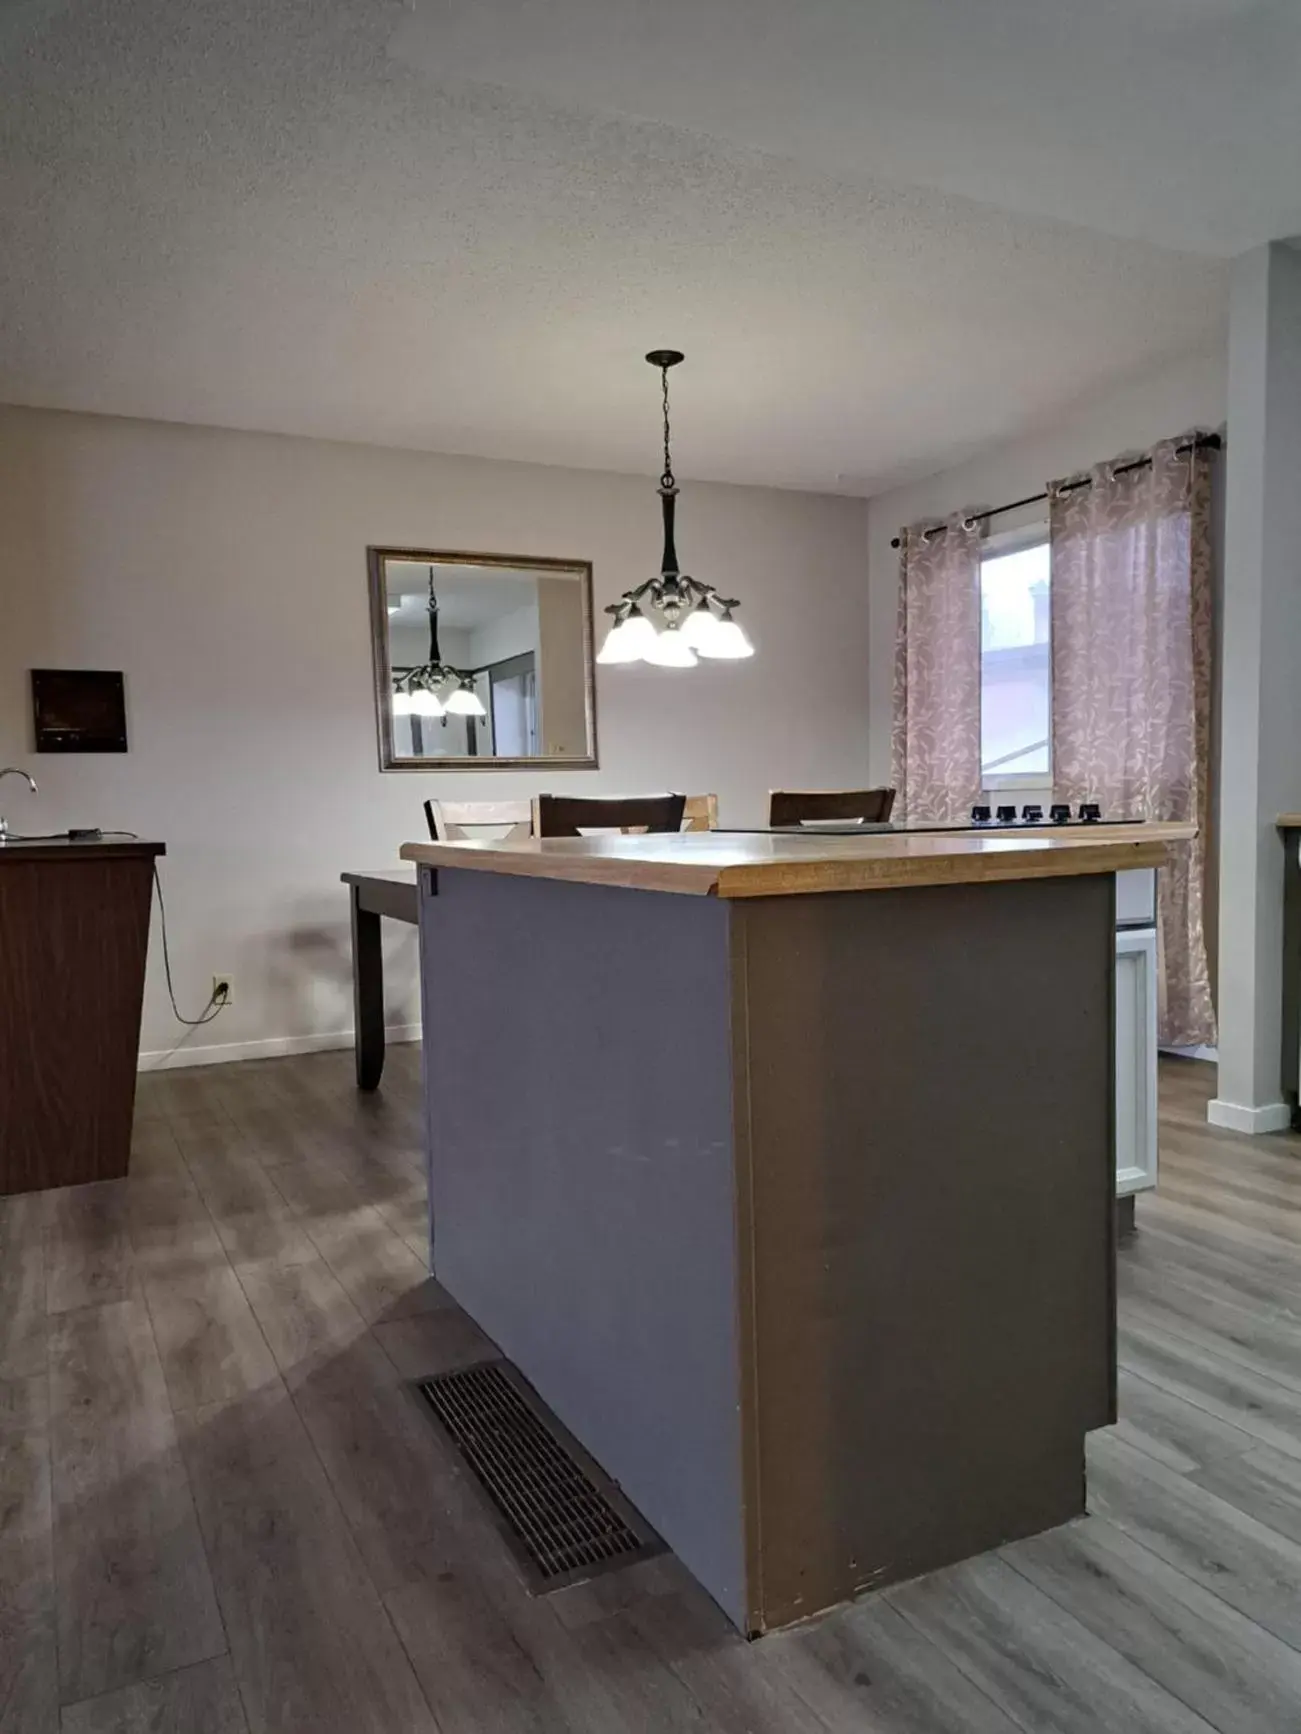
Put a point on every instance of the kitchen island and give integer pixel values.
(74, 932)
(783, 1168)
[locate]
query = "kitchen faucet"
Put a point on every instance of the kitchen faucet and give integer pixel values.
(13, 771)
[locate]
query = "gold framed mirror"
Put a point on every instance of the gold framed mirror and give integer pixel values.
(482, 661)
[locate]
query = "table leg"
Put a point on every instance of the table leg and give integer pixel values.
(367, 994)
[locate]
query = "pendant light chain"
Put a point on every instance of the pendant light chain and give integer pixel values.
(435, 655)
(667, 480)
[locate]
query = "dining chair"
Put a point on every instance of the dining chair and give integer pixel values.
(796, 806)
(451, 821)
(570, 815)
(700, 813)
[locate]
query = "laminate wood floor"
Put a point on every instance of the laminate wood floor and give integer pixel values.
(222, 1511)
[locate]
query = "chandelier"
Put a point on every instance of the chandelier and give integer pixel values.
(672, 619)
(416, 692)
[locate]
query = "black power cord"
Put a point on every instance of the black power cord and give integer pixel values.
(216, 1002)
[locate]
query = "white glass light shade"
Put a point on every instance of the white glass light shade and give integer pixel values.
(425, 703)
(402, 702)
(671, 650)
(700, 628)
(630, 640)
(728, 642)
(465, 701)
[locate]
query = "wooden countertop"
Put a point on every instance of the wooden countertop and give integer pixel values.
(748, 864)
(63, 849)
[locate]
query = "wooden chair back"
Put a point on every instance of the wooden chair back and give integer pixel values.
(449, 821)
(570, 815)
(795, 806)
(700, 813)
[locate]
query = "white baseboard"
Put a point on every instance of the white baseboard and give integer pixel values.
(1211, 1054)
(225, 1053)
(1235, 1117)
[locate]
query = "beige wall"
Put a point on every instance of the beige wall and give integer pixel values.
(225, 574)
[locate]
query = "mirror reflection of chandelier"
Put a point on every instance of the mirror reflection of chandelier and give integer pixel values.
(436, 688)
(672, 619)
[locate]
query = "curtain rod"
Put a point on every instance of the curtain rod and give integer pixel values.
(1203, 442)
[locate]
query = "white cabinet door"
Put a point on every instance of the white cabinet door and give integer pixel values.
(1136, 897)
(1135, 1061)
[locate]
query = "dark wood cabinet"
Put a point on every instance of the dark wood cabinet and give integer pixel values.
(74, 933)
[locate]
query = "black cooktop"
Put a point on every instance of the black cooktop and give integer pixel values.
(1030, 817)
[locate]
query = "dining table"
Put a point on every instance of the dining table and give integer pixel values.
(386, 895)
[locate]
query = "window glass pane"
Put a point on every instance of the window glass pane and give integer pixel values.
(1014, 663)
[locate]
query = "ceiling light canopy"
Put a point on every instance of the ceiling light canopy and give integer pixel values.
(415, 692)
(673, 619)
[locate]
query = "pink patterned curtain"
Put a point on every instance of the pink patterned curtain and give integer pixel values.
(936, 736)
(1131, 683)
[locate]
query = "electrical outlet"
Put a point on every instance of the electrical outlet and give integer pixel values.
(222, 992)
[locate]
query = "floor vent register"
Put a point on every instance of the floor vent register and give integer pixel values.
(564, 1518)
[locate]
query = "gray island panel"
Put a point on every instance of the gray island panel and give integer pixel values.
(579, 1086)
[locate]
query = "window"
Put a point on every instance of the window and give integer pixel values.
(1015, 666)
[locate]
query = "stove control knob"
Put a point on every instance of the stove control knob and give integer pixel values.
(1060, 813)
(1007, 815)
(1032, 813)
(980, 815)
(1090, 812)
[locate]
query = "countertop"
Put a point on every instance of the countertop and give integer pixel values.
(748, 864)
(65, 850)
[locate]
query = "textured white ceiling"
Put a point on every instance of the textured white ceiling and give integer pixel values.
(315, 216)
(1174, 121)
